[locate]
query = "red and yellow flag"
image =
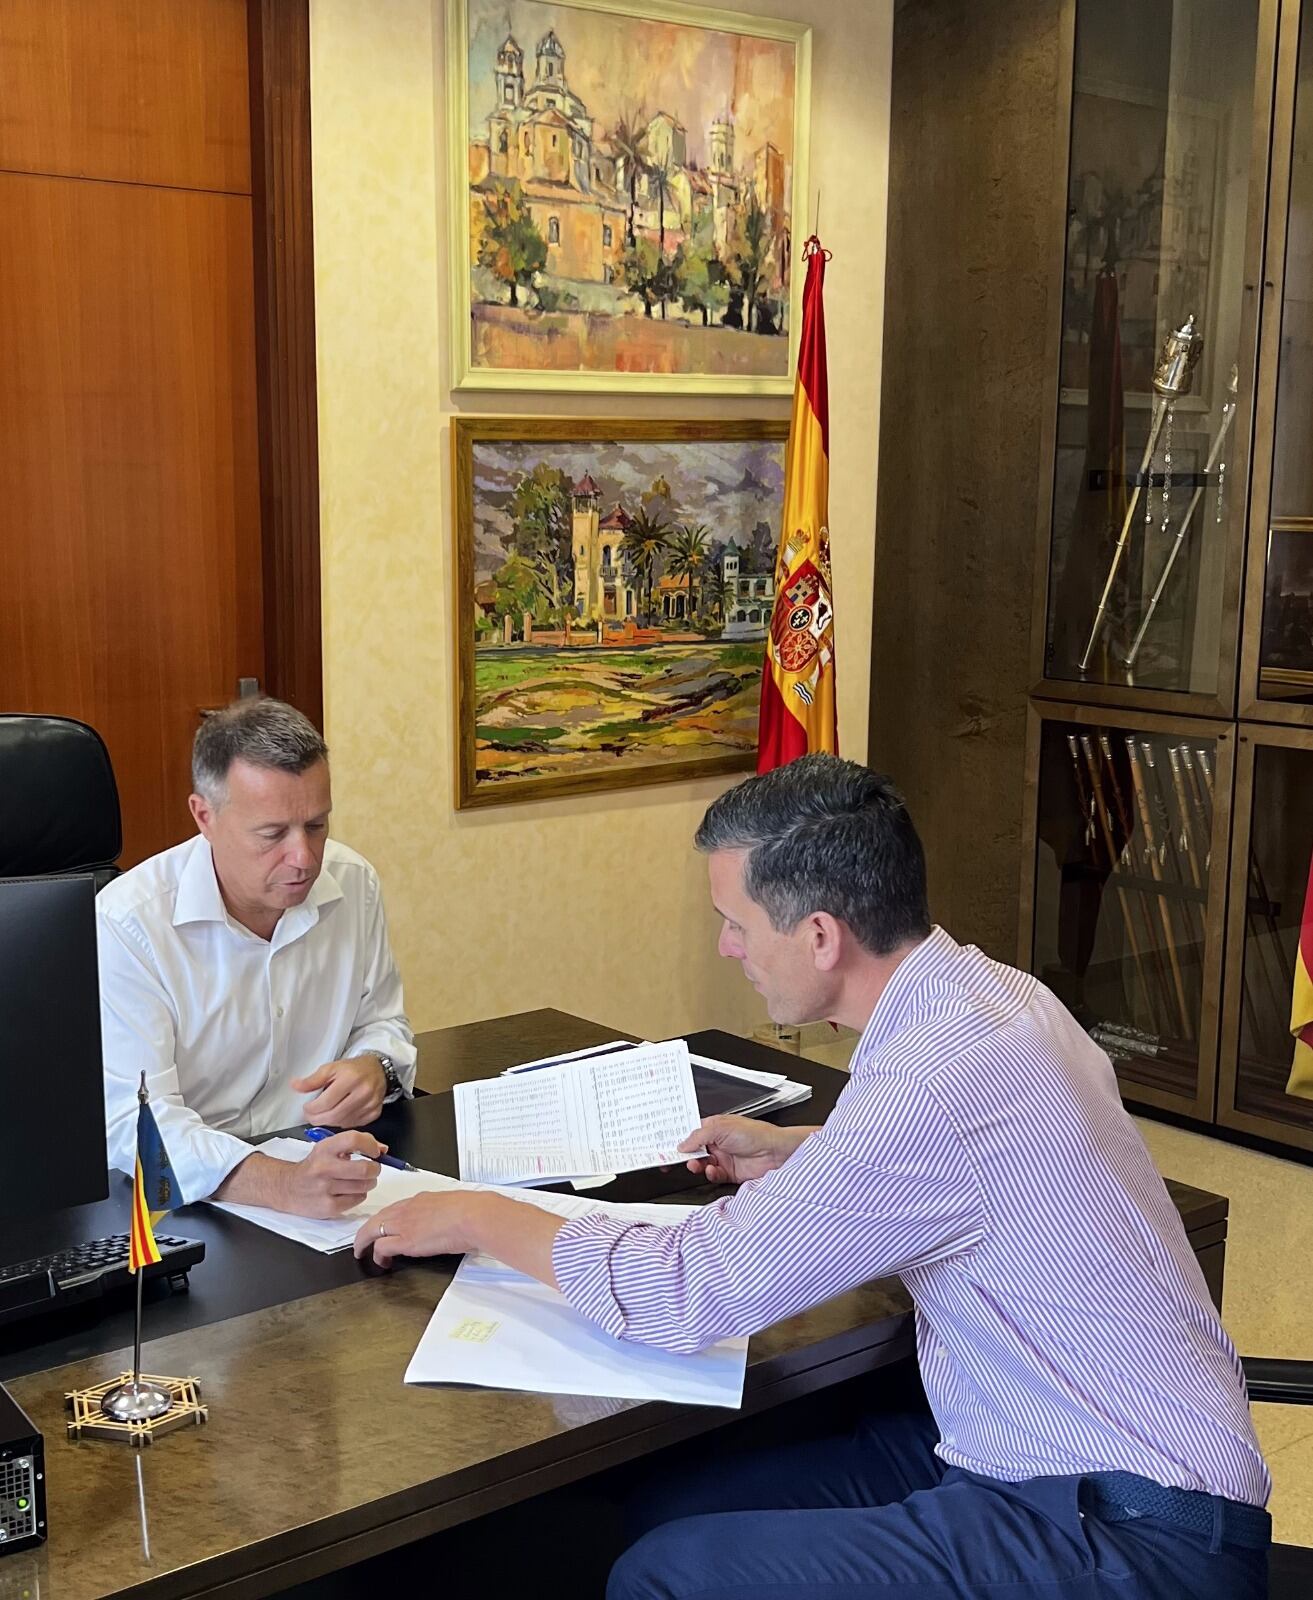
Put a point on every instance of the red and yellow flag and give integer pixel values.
(797, 682)
(153, 1191)
(1301, 1003)
(142, 1249)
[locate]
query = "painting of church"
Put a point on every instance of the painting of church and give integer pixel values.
(603, 200)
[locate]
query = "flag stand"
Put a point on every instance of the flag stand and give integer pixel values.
(136, 1406)
(139, 1399)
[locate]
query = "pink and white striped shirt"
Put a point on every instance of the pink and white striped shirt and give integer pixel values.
(980, 1152)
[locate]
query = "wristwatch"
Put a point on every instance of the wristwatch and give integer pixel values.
(393, 1085)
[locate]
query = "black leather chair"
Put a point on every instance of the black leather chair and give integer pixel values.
(59, 804)
(1284, 1383)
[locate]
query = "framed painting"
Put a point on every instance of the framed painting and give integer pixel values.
(626, 182)
(614, 588)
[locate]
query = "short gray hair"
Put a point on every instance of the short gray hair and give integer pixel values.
(267, 733)
(826, 835)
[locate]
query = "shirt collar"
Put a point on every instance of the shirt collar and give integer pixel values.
(892, 1009)
(199, 900)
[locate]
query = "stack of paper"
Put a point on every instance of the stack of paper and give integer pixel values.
(609, 1113)
(500, 1329)
(720, 1086)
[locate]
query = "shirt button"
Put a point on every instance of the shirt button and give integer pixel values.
(280, 1011)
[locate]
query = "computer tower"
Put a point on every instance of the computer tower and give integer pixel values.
(22, 1479)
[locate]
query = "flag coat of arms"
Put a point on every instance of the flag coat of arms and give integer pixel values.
(154, 1188)
(1301, 1003)
(797, 682)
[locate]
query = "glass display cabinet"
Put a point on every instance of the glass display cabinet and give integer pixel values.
(1277, 663)
(1271, 863)
(1169, 812)
(1128, 908)
(1164, 229)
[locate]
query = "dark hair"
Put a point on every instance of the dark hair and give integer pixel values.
(265, 732)
(826, 835)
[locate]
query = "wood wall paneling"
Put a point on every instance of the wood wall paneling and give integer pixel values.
(137, 91)
(285, 344)
(131, 561)
(974, 210)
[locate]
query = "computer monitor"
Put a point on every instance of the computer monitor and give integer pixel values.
(52, 1092)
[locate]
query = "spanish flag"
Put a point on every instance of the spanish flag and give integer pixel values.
(153, 1191)
(1301, 1003)
(797, 682)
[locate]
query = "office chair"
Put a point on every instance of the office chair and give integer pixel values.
(59, 804)
(1284, 1383)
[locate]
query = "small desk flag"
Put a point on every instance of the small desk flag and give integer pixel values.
(1301, 1003)
(797, 681)
(154, 1190)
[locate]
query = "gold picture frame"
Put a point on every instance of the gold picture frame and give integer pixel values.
(614, 589)
(660, 228)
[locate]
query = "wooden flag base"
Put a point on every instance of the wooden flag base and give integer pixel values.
(89, 1421)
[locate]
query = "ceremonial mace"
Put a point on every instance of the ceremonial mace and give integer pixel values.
(1228, 417)
(1171, 379)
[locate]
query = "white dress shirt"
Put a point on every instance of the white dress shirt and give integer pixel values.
(221, 1020)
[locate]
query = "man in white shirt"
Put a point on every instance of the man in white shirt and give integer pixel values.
(248, 973)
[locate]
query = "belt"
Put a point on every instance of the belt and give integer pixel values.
(1123, 1496)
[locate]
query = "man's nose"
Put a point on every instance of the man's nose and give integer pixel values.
(729, 946)
(299, 852)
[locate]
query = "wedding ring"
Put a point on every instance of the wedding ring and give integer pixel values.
(382, 1231)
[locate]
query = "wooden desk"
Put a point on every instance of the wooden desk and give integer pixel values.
(316, 1455)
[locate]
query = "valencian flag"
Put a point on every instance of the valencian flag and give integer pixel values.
(153, 1188)
(1301, 1003)
(797, 682)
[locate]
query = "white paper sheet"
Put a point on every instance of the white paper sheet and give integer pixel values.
(333, 1233)
(616, 1113)
(613, 1048)
(502, 1330)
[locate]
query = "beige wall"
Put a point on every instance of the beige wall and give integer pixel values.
(597, 904)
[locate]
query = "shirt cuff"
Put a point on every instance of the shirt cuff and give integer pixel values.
(207, 1159)
(581, 1262)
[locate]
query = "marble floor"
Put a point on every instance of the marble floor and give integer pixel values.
(1268, 1303)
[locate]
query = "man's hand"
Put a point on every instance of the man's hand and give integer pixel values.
(451, 1222)
(739, 1148)
(437, 1224)
(328, 1182)
(347, 1094)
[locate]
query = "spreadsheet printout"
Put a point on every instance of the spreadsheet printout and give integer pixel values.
(618, 1113)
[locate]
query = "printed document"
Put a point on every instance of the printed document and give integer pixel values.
(502, 1330)
(614, 1113)
(327, 1234)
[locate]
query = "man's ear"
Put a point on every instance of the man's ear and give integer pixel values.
(202, 813)
(827, 936)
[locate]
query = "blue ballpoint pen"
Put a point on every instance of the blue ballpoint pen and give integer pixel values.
(316, 1134)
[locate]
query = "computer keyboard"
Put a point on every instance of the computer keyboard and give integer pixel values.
(68, 1277)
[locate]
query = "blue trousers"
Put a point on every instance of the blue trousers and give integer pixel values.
(875, 1513)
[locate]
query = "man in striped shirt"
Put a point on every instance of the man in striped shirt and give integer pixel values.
(1089, 1433)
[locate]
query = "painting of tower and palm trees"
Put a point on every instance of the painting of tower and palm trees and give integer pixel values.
(615, 586)
(624, 188)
